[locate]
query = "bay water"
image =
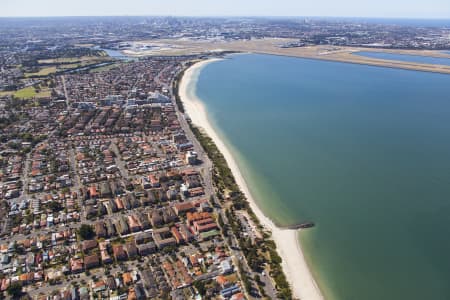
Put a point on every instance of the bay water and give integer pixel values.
(362, 151)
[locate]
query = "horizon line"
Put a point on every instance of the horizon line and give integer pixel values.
(229, 16)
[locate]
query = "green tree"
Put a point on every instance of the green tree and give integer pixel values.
(15, 289)
(200, 287)
(86, 232)
(55, 206)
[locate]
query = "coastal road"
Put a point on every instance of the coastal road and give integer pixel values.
(207, 177)
(207, 164)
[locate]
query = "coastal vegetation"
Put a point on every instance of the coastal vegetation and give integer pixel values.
(227, 188)
(176, 86)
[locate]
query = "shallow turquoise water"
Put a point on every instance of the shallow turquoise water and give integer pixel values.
(406, 57)
(362, 151)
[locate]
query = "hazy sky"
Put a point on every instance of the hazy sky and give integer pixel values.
(345, 8)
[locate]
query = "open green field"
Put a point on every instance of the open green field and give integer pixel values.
(103, 68)
(84, 45)
(69, 66)
(6, 93)
(25, 93)
(43, 72)
(54, 65)
(28, 93)
(65, 60)
(44, 93)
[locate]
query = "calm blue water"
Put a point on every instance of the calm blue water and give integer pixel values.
(362, 151)
(117, 54)
(406, 22)
(406, 57)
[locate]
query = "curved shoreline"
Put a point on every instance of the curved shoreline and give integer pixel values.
(288, 246)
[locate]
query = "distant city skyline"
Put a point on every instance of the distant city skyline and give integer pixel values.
(325, 8)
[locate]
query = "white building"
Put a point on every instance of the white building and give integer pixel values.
(191, 157)
(158, 98)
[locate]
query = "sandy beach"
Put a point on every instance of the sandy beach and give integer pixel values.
(294, 265)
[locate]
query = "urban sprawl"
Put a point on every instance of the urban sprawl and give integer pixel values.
(107, 190)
